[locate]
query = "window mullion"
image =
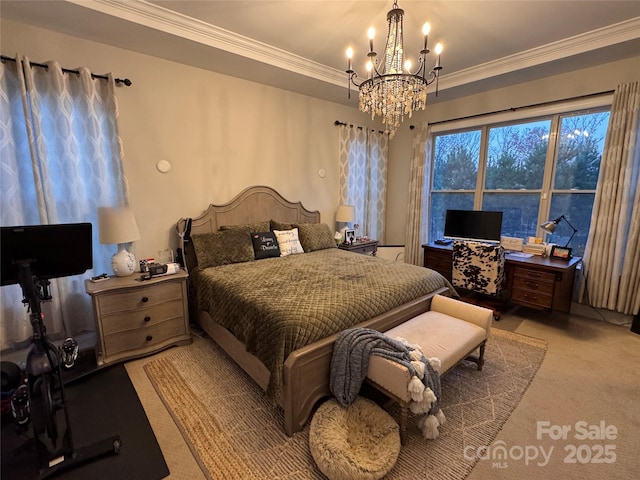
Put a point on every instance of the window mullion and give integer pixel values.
(482, 168)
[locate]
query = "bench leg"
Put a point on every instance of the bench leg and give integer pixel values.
(404, 415)
(479, 360)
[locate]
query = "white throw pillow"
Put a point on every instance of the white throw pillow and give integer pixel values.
(289, 242)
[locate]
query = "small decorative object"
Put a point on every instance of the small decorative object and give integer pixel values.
(337, 237)
(561, 253)
(350, 237)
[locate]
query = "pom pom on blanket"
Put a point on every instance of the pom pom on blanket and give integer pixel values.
(429, 427)
(416, 355)
(419, 366)
(416, 389)
(435, 363)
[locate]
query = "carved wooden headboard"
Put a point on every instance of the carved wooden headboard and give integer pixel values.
(254, 204)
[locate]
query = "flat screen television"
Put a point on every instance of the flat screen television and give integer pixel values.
(480, 225)
(52, 250)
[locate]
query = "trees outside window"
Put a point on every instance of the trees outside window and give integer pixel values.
(531, 170)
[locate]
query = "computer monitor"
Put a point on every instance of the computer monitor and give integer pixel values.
(52, 251)
(479, 225)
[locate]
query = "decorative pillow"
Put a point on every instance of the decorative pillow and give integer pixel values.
(275, 225)
(223, 247)
(250, 227)
(265, 245)
(289, 242)
(316, 236)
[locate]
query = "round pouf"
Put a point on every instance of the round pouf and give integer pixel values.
(358, 442)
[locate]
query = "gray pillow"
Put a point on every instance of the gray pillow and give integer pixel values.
(223, 247)
(276, 225)
(316, 236)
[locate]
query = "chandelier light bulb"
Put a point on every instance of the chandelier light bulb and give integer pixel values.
(349, 53)
(426, 28)
(439, 48)
(407, 65)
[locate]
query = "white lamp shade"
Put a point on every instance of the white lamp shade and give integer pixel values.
(117, 225)
(346, 213)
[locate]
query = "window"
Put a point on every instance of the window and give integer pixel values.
(532, 170)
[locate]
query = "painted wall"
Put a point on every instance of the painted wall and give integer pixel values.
(222, 134)
(580, 82)
(219, 133)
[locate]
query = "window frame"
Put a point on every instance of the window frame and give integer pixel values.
(553, 112)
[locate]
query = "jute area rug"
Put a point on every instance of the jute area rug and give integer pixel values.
(235, 433)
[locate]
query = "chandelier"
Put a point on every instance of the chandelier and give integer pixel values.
(391, 89)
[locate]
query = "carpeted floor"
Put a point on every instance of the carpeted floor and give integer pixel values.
(234, 433)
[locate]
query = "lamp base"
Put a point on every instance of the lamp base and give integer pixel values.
(123, 262)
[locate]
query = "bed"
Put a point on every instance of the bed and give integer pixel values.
(278, 317)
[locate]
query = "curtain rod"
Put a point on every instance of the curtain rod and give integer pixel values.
(514, 109)
(338, 122)
(124, 81)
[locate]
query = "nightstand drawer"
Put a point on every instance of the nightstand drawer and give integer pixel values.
(143, 337)
(140, 297)
(130, 320)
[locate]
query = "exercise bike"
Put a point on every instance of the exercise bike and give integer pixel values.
(39, 406)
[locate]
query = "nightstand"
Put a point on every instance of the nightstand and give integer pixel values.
(136, 318)
(366, 247)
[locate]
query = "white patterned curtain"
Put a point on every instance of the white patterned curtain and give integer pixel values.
(364, 155)
(61, 159)
(612, 254)
(418, 210)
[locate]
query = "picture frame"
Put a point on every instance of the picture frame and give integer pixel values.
(349, 237)
(560, 253)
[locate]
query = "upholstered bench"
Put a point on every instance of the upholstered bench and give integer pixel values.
(451, 331)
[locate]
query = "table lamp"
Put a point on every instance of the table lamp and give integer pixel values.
(551, 225)
(117, 225)
(345, 214)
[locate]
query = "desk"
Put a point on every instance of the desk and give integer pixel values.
(538, 282)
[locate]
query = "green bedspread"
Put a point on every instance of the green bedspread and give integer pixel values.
(278, 305)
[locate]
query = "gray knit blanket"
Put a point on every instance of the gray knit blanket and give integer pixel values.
(350, 362)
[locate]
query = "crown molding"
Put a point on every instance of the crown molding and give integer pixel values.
(579, 44)
(170, 22)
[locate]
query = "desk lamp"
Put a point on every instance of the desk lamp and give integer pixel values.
(551, 225)
(118, 225)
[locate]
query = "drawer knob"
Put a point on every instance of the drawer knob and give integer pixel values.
(533, 284)
(147, 319)
(145, 299)
(149, 338)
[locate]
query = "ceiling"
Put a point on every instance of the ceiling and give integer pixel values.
(300, 45)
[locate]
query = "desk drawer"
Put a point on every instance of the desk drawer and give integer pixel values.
(532, 298)
(535, 285)
(534, 275)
